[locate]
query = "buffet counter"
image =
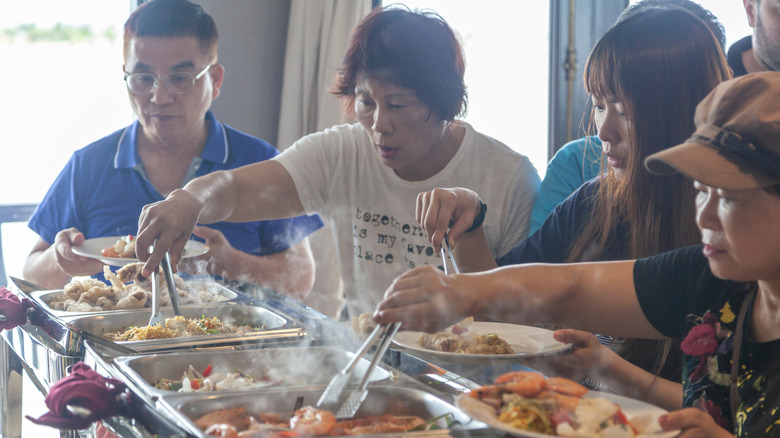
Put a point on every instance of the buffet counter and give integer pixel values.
(293, 340)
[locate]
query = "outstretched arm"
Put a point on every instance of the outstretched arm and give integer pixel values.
(259, 191)
(572, 295)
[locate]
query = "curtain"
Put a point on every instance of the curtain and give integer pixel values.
(317, 37)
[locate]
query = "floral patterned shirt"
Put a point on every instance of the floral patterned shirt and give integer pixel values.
(683, 299)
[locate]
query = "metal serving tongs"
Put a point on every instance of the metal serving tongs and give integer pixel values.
(452, 256)
(157, 317)
(341, 397)
(172, 292)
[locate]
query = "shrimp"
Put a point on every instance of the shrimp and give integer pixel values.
(524, 383)
(565, 386)
(311, 421)
(566, 402)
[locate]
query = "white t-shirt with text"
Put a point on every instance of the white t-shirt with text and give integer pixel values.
(371, 210)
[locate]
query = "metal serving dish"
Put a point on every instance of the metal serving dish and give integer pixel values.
(289, 366)
(394, 400)
(47, 297)
(277, 327)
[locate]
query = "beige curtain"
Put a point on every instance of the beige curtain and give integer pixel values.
(317, 37)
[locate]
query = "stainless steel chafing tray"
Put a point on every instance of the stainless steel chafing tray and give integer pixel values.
(394, 400)
(276, 327)
(288, 366)
(47, 297)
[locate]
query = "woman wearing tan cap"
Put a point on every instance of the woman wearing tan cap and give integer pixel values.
(721, 298)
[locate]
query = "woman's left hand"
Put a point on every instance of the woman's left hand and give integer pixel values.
(425, 299)
(587, 357)
(693, 423)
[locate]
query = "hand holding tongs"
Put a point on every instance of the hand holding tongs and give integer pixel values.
(157, 317)
(340, 397)
(452, 256)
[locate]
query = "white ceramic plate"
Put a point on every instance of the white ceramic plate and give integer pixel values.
(631, 408)
(92, 248)
(525, 340)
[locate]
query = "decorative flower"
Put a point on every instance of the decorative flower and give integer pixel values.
(701, 341)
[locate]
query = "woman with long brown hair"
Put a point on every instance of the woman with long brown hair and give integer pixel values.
(645, 77)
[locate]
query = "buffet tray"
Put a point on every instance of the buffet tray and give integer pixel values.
(276, 326)
(46, 297)
(184, 409)
(289, 366)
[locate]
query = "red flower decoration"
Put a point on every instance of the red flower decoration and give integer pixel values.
(701, 341)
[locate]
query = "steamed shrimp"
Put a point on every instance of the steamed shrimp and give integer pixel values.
(524, 383)
(565, 386)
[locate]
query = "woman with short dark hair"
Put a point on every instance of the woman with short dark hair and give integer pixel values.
(402, 79)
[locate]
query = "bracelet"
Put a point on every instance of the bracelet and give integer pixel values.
(480, 217)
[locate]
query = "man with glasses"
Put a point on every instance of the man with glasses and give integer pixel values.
(172, 76)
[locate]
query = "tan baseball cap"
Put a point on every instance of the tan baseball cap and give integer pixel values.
(736, 144)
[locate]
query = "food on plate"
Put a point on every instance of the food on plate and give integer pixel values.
(458, 339)
(128, 290)
(306, 421)
(124, 248)
(176, 327)
(555, 406)
(222, 379)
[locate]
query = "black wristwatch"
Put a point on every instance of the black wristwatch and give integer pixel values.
(479, 218)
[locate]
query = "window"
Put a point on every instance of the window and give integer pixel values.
(62, 89)
(731, 14)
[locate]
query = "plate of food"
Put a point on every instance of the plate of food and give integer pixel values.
(528, 404)
(120, 250)
(483, 341)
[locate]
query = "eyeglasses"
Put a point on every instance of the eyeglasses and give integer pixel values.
(176, 82)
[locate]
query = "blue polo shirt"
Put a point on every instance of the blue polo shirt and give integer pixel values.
(103, 188)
